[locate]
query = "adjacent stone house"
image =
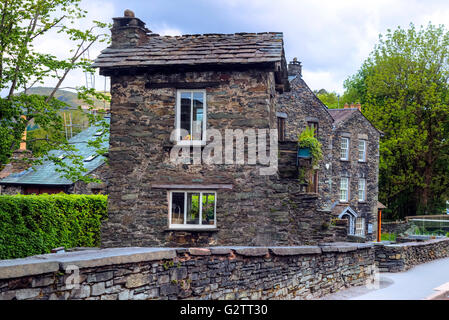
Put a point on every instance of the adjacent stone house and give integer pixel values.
(169, 94)
(355, 168)
(346, 179)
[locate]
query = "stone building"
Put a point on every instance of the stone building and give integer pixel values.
(355, 169)
(346, 179)
(169, 94)
(19, 177)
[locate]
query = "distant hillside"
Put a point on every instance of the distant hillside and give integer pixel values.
(68, 97)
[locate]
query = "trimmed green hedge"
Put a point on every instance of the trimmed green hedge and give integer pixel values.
(35, 224)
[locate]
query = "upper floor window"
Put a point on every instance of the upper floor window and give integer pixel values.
(344, 151)
(362, 150)
(191, 116)
(344, 189)
(362, 190)
(314, 125)
(192, 209)
(281, 128)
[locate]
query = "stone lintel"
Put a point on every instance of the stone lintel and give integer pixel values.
(192, 186)
(293, 251)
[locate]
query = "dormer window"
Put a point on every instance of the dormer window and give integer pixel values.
(191, 116)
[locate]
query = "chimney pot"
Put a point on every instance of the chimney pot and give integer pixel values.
(128, 13)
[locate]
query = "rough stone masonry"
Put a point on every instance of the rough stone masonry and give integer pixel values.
(303, 272)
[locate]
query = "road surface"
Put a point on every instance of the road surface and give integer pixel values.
(414, 284)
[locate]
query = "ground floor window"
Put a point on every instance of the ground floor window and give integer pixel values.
(192, 209)
(360, 227)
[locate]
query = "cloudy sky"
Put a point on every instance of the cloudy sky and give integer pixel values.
(331, 38)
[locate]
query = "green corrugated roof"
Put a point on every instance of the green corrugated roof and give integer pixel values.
(46, 174)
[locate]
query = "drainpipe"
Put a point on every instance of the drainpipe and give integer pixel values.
(379, 224)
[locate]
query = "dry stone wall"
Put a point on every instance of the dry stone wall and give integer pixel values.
(218, 273)
(403, 256)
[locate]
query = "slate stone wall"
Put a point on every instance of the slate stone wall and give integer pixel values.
(256, 211)
(396, 227)
(221, 273)
(401, 257)
(302, 106)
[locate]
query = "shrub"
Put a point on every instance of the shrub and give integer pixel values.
(307, 139)
(388, 237)
(34, 224)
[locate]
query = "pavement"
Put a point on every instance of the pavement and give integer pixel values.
(414, 284)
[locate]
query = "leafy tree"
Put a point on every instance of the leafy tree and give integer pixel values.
(404, 91)
(330, 99)
(22, 24)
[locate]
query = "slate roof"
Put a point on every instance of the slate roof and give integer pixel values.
(46, 174)
(340, 115)
(238, 48)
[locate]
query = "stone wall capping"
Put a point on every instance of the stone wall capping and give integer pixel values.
(26, 267)
(250, 251)
(341, 246)
(115, 256)
(199, 251)
(220, 250)
(48, 263)
(293, 251)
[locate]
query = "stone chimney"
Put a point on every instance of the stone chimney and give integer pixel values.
(128, 31)
(295, 68)
(358, 106)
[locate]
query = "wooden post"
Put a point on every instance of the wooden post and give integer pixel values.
(379, 225)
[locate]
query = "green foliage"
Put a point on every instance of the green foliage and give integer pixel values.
(329, 99)
(404, 90)
(22, 24)
(388, 237)
(307, 139)
(34, 224)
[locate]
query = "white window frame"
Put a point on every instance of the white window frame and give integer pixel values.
(363, 159)
(186, 225)
(360, 227)
(362, 182)
(341, 189)
(178, 118)
(344, 156)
